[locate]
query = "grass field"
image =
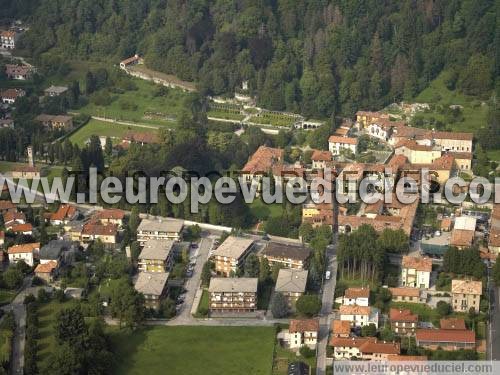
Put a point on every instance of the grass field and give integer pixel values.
(6, 296)
(141, 105)
(194, 350)
(474, 112)
(273, 119)
(284, 356)
(225, 114)
(106, 129)
(263, 211)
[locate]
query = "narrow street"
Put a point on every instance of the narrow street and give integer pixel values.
(493, 332)
(326, 310)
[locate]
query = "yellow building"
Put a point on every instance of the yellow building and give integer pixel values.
(417, 153)
(156, 256)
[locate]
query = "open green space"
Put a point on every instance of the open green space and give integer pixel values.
(474, 110)
(284, 356)
(194, 350)
(6, 296)
(5, 345)
(202, 310)
(225, 114)
(273, 119)
(143, 105)
(105, 129)
(263, 211)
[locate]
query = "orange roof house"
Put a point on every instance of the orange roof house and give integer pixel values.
(263, 160)
(452, 323)
(341, 328)
(64, 213)
(303, 325)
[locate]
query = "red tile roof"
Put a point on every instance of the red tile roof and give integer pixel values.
(461, 237)
(341, 327)
(418, 263)
(452, 323)
(345, 140)
(319, 155)
(17, 228)
(453, 135)
(402, 315)
(24, 248)
(64, 211)
(46, 267)
(263, 160)
(405, 292)
(110, 214)
(353, 293)
(303, 325)
(97, 229)
(446, 336)
(6, 205)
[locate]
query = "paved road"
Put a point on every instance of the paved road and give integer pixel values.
(326, 311)
(193, 283)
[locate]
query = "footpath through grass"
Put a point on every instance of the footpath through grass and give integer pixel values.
(194, 350)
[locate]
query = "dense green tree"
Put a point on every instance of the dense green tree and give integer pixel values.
(308, 304)
(279, 305)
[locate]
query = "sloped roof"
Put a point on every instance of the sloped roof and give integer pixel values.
(304, 325)
(291, 280)
(353, 293)
(236, 285)
(152, 283)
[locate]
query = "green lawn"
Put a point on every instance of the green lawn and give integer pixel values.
(225, 114)
(141, 105)
(194, 350)
(5, 345)
(474, 113)
(203, 305)
(284, 356)
(6, 296)
(106, 129)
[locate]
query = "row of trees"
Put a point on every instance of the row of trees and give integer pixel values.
(465, 262)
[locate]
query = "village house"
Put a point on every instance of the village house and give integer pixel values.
(463, 161)
(230, 255)
(462, 235)
(338, 144)
(303, 332)
(359, 316)
(382, 129)
(262, 162)
(320, 159)
(46, 271)
(153, 286)
(416, 272)
(13, 217)
(466, 295)
(26, 171)
(26, 228)
(233, 294)
(92, 231)
(18, 72)
(64, 214)
(356, 296)
(452, 323)
(341, 328)
(9, 96)
(363, 348)
(162, 229)
(365, 118)
(156, 256)
(417, 153)
(110, 216)
(55, 91)
(405, 294)
(55, 121)
(6, 205)
(8, 39)
(288, 256)
(133, 60)
(25, 252)
(403, 321)
(494, 241)
(292, 284)
(446, 339)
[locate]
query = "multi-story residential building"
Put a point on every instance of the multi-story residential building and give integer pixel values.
(463, 160)
(55, 121)
(110, 216)
(153, 285)
(156, 256)
(356, 296)
(382, 129)
(233, 294)
(359, 316)
(292, 284)
(261, 162)
(403, 321)
(416, 272)
(303, 332)
(364, 348)
(407, 295)
(230, 255)
(288, 256)
(446, 339)
(162, 229)
(466, 294)
(8, 39)
(25, 252)
(337, 144)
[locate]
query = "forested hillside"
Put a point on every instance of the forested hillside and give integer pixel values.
(314, 56)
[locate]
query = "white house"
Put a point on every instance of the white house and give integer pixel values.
(303, 332)
(8, 39)
(25, 252)
(359, 316)
(356, 296)
(336, 144)
(416, 272)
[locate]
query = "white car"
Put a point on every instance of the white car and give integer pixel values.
(327, 275)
